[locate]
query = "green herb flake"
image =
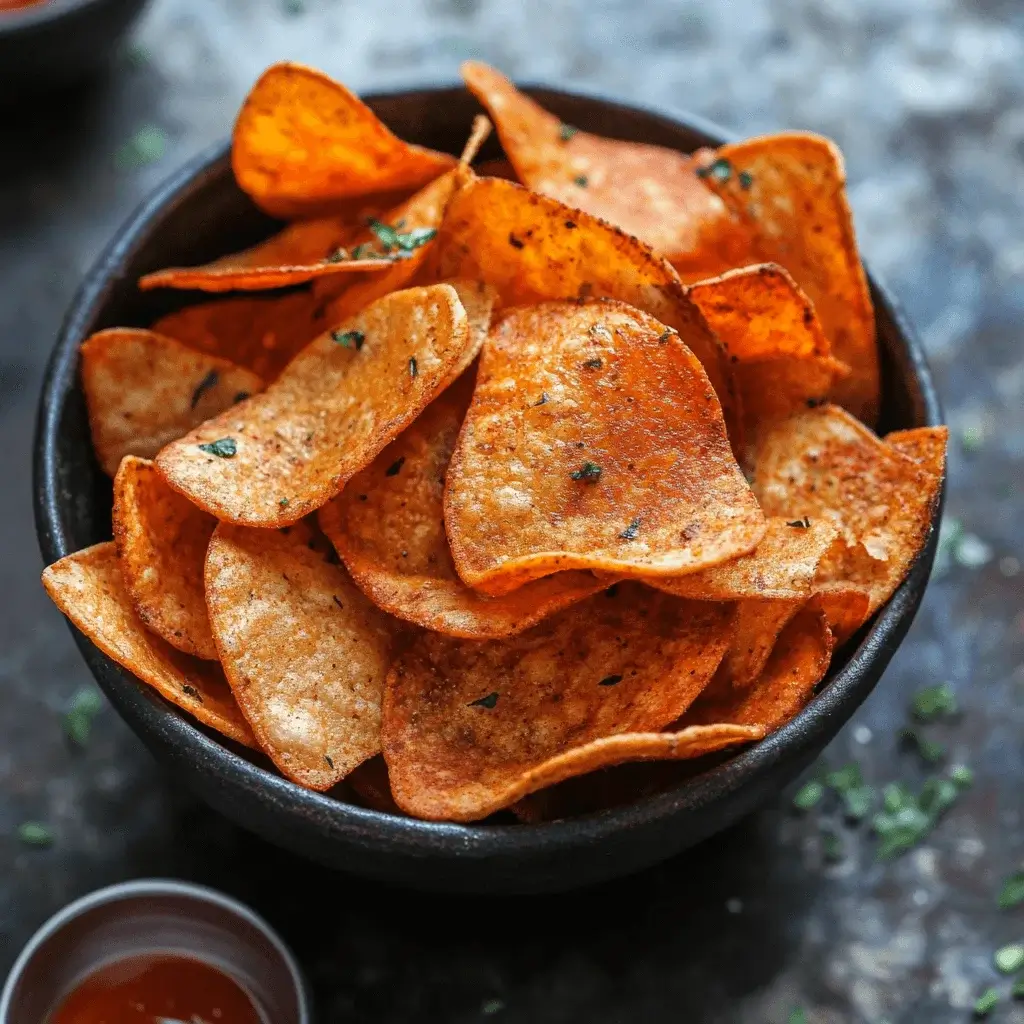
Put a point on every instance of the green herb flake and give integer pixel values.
(901, 831)
(665, 335)
(1009, 959)
(632, 531)
(831, 846)
(1017, 992)
(589, 472)
(808, 796)
(720, 170)
(413, 369)
(283, 502)
(491, 1007)
(928, 750)
(484, 702)
(746, 179)
(208, 382)
(223, 448)
(1012, 892)
(934, 702)
(971, 439)
(896, 796)
(340, 255)
(566, 131)
(847, 777)
(138, 56)
(396, 467)
(146, 146)
(937, 796)
(798, 1016)
(85, 705)
(400, 242)
(610, 681)
(349, 339)
(962, 776)
(327, 758)
(857, 802)
(35, 833)
(986, 1003)
(582, 180)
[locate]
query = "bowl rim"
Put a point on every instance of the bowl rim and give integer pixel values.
(846, 688)
(47, 12)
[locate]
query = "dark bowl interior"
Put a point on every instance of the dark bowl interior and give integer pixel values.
(52, 44)
(200, 214)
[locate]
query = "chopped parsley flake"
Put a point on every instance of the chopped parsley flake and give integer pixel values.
(907, 819)
(665, 335)
(400, 242)
(589, 472)
(223, 448)
(847, 777)
(808, 796)
(283, 503)
(413, 369)
(831, 846)
(798, 1016)
(610, 681)
(566, 131)
(746, 179)
(395, 468)
(631, 531)
(582, 180)
(85, 705)
(338, 256)
(349, 339)
(209, 381)
(491, 1007)
(720, 170)
(800, 524)
(1012, 893)
(962, 775)
(484, 702)
(1018, 989)
(934, 702)
(146, 146)
(928, 750)
(1009, 959)
(986, 1003)
(35, 833)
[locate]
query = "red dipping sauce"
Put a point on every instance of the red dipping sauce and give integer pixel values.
(157, 989)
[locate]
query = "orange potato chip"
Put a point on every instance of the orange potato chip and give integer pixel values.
(301, 252)
(388, 527)
(789, 191)
(88, 588)
(282, 454)
(261, 333)
(302, 142)
(798, 662)
(469, 728)
(924, 445)
(756, 627)
(651, 192)
(304, 651)
(533, 248)
(161, 541)
(406, 248)
(143, 390)
(825, 464)
(594, 441)
(846, 607)
(783, 565)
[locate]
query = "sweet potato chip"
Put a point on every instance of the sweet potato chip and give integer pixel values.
(594, 441)
(533, 248)
(302, 142)
(277, 456)
(649, 191)
(783, 565)
(262, 334)
(798, 662)
(789, 191)
(143, 390)
(304, 651)
(469, 728)
(756, 628)
(825, 464)
(161, 541)
(87, 587)
(301, 252)
(388, 527)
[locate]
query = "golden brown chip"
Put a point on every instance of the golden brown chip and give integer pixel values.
(924, 445)
(798, 662)
(304, 651)
(277, 456)
(161, 541)
(649, 191)
(783, 565)
(594, 441)
(825, 464)
(388, 527)
(469, 728)
(302, 142)
(143, 390)
(756, 628)
(789, 191)
(846, 607)
(301, 252)
(532, 248)
(261, 333)
(87, 587)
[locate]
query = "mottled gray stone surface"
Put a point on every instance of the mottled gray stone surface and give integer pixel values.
(926, 98)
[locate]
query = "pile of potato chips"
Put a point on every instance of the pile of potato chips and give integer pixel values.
(507, 477)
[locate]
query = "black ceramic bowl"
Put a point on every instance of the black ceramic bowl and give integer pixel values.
(200, 214)
(53, 43)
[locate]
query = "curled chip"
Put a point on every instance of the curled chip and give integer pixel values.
(282, 454)
(569, 458)
(925, 446)
(161, 541)
(469, 728)
(305, 653)
(798, 662)
(846, 607)
(87, 587)
(388, 527)
(402, 238)
(143, 390)
(261, 333)
(531, 248)
(301, 252)
(824, 463)
(302, 142)
(756, 628)
(789, 192)
(649, 191)
(783, 565)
